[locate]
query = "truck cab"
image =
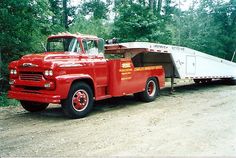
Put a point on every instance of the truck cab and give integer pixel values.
(74, 72)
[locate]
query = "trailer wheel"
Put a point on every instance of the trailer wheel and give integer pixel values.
(151, 91)
(197, 81)
(33, 106)
(230, 81)
(233, 82)
(209, 80)
(79, 102)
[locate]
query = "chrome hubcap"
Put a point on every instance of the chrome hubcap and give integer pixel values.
(151, 88)
(80, 100)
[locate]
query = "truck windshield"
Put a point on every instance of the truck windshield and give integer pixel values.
(68, 44)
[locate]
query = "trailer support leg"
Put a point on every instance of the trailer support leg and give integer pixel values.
(172, 81)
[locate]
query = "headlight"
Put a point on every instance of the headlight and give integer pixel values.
(13, 72)
(48, 73)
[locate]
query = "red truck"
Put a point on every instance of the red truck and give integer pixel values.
(74, 72)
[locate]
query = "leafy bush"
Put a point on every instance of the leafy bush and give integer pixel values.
(4, 101)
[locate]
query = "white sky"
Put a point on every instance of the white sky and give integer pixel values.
(184, 3)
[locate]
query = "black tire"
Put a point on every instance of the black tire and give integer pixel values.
(151, 91)
(33, 106)
(79, 101)
(233, 82)
(230, 81)
(202, 81)
(209, 80)
(196, 81)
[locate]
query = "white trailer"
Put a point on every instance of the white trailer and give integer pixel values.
(178, 62)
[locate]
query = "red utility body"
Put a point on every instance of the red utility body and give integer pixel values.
(72, 59)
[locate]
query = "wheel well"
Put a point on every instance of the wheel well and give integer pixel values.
(157, 81)
(87, 81)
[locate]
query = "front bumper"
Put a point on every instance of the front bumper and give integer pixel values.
(44, 98)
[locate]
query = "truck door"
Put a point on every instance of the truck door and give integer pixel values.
(100, 64)
(191, 65)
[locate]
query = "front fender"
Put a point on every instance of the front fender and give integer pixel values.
(64, 82)
(13, 64)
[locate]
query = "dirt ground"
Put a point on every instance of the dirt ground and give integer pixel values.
(198, 120)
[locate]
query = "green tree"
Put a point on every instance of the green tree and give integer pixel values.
(225, 15)
(63, 14)
(92, 19)
(91, 26)
(136, 22)
(97, 8)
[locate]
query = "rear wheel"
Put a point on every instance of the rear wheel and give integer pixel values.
(151, 91)
(79, 102)
(33, 106)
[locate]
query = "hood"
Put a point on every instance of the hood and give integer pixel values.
(47, 59)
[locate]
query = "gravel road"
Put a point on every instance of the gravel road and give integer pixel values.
(197, 120)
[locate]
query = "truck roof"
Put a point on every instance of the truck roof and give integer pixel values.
(76, 35)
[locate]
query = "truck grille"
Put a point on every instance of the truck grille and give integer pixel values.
(31, 76)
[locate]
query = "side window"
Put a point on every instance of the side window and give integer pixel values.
(91, 46)
(77, 47)
(74, 46)
(85, 45)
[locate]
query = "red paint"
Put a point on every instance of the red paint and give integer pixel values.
(80, 100)
(151, 88)
(107, 77)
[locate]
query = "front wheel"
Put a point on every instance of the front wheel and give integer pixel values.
(151, 91)
(33, 106)
(79, 102)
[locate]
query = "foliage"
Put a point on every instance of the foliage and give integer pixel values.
(22, 24)
(138, 23)
(91, 26)
(97, 8)
(4, 101)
